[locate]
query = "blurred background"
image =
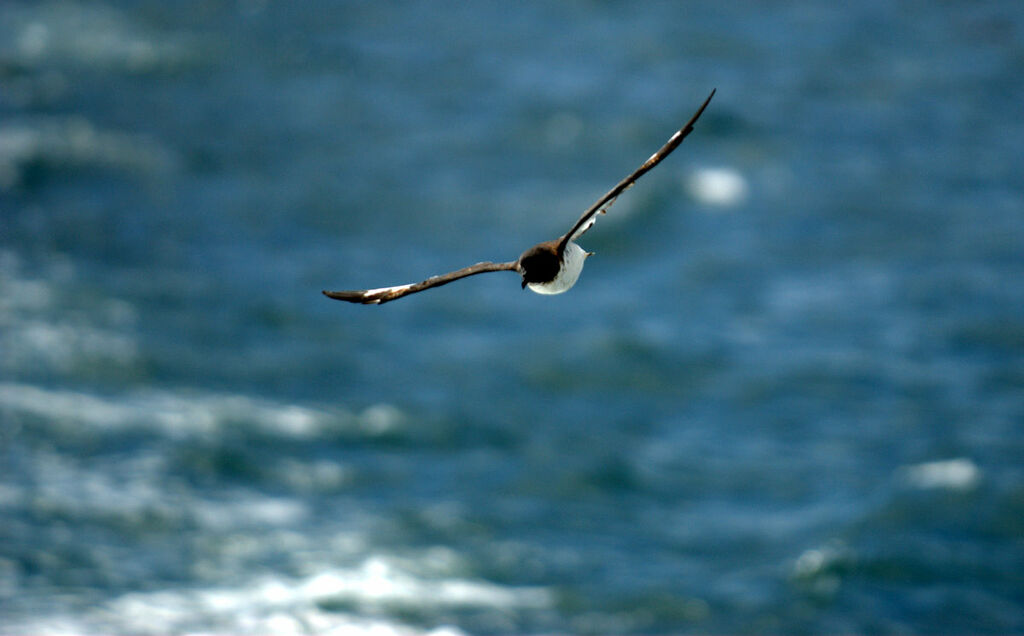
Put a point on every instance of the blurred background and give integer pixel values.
(786, 395)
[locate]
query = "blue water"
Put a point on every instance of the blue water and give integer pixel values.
(786, 395)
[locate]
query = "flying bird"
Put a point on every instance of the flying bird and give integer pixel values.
(551, 267)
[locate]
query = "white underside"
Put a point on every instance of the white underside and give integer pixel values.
(572, 265)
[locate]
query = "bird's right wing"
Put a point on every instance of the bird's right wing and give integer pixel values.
(588, 218)
(385, 294)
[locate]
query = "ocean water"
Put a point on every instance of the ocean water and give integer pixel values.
(785, 396)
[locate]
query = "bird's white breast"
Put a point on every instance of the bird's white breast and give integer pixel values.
(572, 265)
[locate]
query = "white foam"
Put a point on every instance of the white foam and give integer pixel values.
(814, 569)
(246, 611)
(250, 510)
(815, 561)
(85, 34)
(67, 487)
(36, 331)
(67, 406)
(951, 474)
(277, 605)
(177, 415)
(720, 187)
(378, 581)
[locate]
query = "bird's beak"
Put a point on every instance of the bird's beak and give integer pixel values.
(589, 254)
(524, 283)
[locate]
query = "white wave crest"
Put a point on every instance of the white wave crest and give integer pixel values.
(720, 187)
(337, 601)
(951, 474)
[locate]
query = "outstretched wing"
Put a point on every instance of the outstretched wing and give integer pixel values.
(384, 294)
(590, 216)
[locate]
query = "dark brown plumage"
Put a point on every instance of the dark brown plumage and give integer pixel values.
(540, 263)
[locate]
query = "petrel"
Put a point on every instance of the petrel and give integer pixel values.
(551, 267)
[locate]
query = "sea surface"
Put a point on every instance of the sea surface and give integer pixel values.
(785, 396)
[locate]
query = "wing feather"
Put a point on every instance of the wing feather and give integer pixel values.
(385, 294)
(588, 218)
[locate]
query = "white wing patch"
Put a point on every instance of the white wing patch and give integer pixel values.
(385, 290)
(589, 223)
(381, 291)
(586, 226)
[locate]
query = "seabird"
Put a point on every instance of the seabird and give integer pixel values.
(551, 267)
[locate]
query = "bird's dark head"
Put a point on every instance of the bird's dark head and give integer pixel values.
(540, 263)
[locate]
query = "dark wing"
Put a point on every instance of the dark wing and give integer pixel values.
(588, 217)
(384, 294)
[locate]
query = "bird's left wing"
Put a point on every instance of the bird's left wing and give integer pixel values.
(384, 294)
(590, 216)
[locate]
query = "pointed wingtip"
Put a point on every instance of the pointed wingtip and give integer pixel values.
(686, 129)
(704, 105)
(351, 296)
